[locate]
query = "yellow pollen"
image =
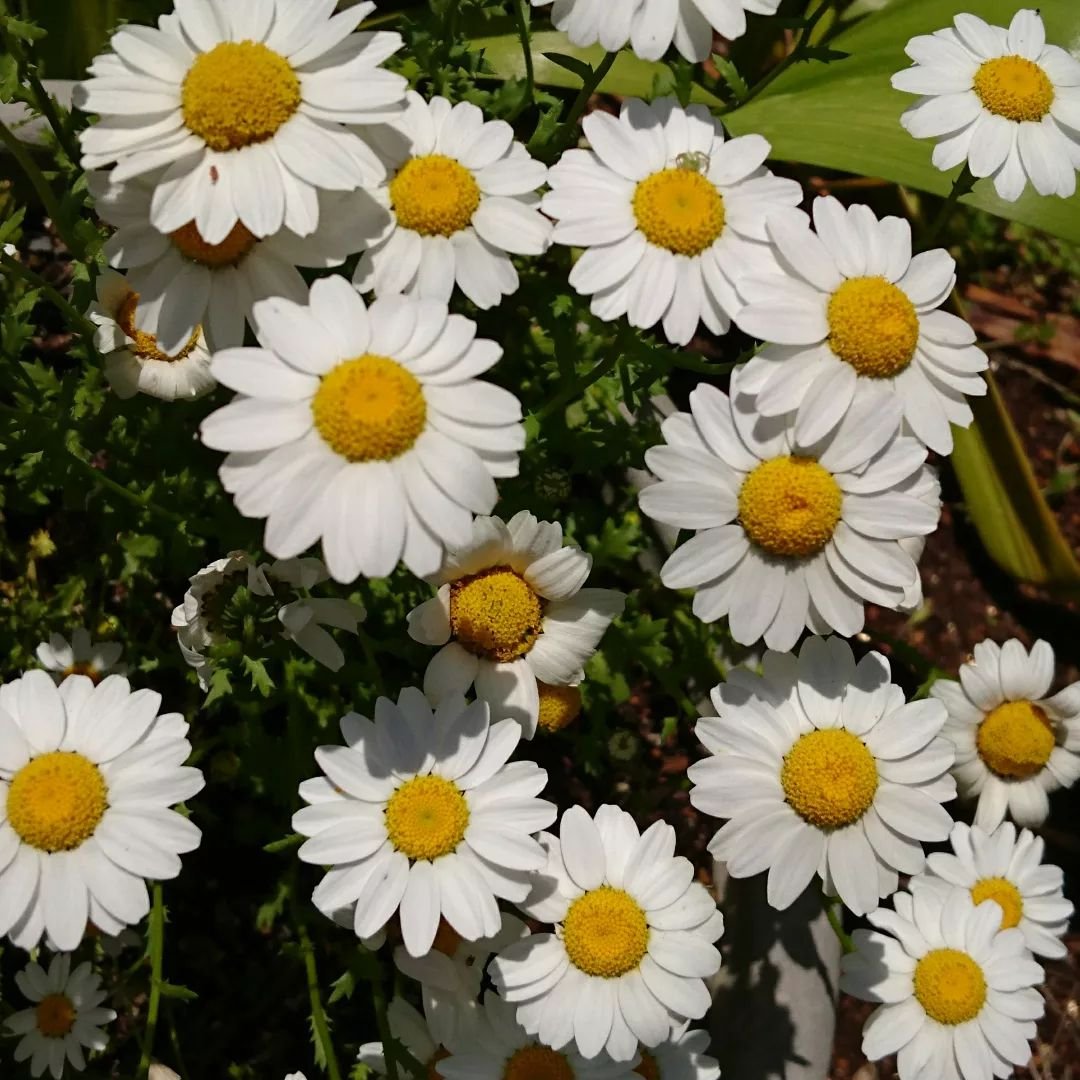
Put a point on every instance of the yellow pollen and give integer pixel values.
(1015, 740)
(56, 801)
(495, 614)
(145, 347)
(369, 409)
(560, 706)
(605, 933)
(790, 506)
(1006, 895)
(1014, 87)
(426, 817)
(873, 326)
(434, 195)
(238, 93)
(447, 939)
(829, 778)
(536, 1062)
(648, 1066)
(680, 210)
(84, 667)
(54, 1016)
(189, 242)
(950, 986)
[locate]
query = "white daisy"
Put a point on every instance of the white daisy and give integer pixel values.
(87, 776)
(365, 427)
(849, 305)
(1013, 743)
(632, 941)
(80, 656)
(412, 1030)
(422, 813)
(66, 1016)
(682, 1057)
(823, 769)
(461, 196)
(511, 612)
(134, 360)
(958, 992)
(791, 534)
(1008, 869)
(251, 106)
(669, 213)
(1002, 100)
(652, 26)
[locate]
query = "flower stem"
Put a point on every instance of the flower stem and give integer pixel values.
(157, 953)
(394, 1053)
(318, 1013)
(831, 905)
(521, 19)
(567, 130)
(77, 320)
(963, 183)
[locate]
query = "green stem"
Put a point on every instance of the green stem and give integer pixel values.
(580, 385)
(567, 130)
(961, 185)
(157, 953)
(521, 18)
(394, 1052)
(318, 1014)
(75, 318)
(831, 913)
(125, 493)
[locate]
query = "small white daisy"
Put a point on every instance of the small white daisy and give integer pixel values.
(510, 613)
(849, 305)
(1008, 869)
(461, 197)
(251, 106)
(1002, 100)
(365, 427)
(413, 1031)
(790, 534)
(822, 768)
(134, 360)
(80, 656)
(632, 941)
(87, 778)
(1013, 743)
(682, 1057)
(66, 1016)
(958, 992)
(422, 815)
(669, 213)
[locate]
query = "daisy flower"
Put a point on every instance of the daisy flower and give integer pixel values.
(790, 534)
(251, 106)
(80, 656)
(66, 1016)
(1013, 743)
(134, 359)
(365, 427)
(849, 305)
(669, 213)
(559, 707)
(87, 776)
(1008, 869)
(1002, 100)
(632, 941)
(957, 993)
(822, 768)
(421, 814)
(412, 1030)
(682, 1057)
(461, 199)
(510, 612)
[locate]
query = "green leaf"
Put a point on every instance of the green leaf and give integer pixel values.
(260, 677)
(25, 31)
(178, 993)
(571, 63)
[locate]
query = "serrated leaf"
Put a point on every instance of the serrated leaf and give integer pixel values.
(220, 686)
(260, 677)
(24, 31)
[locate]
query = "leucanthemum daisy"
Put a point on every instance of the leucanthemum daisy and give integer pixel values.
(849, 305)
(670, 215)
(80, 656)
(87, 778)
(461, 199)
(421, 814)
(957, 993)
(1013, 743)
(822, 768)
(1007, 868)
(412, 1029)
(682, 1057)
(510, 613)
(632, 941)
(788, 534)
(1002, 100)
(66, 1016)
(366, 427)
(251, 106)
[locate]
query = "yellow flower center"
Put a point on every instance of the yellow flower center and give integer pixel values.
(54, 1016)
(829, 778)
(1014, 87)
(605, 932)
(84, 667)
(189, 242)
(873, 326)
(238, 93)
(426, 817)
(680, 210)
(369, 409)
(537, 1063)
(1015, 740)
(434, 195)
(495, 614)
(648, 1066)
(447, 939)
(1005, 893)
(560, 706)
(790, 506)
(145, 347)
(950, 986)
(56, 801)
